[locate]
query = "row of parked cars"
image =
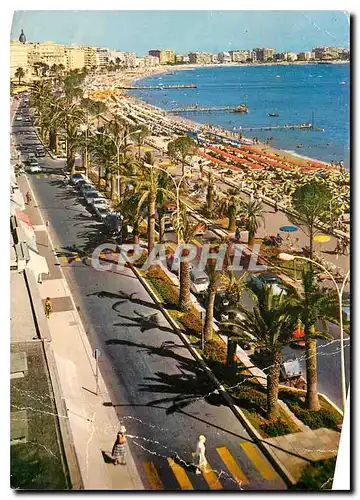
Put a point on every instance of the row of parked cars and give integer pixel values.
(97, 202)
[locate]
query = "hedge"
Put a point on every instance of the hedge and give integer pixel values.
(317, 476)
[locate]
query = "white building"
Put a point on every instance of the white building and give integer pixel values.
(102, 56)
(224, 57)
(290, 56)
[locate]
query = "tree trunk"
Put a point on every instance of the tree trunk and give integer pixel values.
(122, 187)
(184, 294)
(231, 353)
(113, 186)
(99, 174)
(210, 199)
(209, 318)
(232, 220)
(53, 140)
(183, 168)
(273, 387)
(311, 243)
(251, 238)
(312, 399)
(71, 161)
(151, 222)
(161, 226)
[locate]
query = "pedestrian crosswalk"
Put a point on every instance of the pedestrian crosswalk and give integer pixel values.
(70, 257)
(49, 176)
(229, 476)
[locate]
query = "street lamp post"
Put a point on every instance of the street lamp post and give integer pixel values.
(340, 291)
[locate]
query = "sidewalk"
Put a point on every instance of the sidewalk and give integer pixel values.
(93, 425)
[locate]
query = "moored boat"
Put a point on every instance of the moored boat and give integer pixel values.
(274, 114)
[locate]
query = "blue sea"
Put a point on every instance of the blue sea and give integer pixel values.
(299, 94)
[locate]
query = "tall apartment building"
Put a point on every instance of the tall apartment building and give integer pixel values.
(200, 58)
(224, 57)
(182, 58)
(305, 56)
(151, 61)
(19, 59)
(214, 59)
(165, 56)
(102, 56)
(326, 53)
(240, 56)
(90, 56)
(48, 53)
(75, 57)
(290, 56)
(263, 54)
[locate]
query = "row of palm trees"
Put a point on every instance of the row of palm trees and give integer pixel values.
(271, 322)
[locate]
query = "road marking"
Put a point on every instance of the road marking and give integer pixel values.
(38, 176)
(180, 475)
(212, 479)
(153, 476)
(45, 176)
(258, 460)
(197, 243)
(64, 259)
(232, 465)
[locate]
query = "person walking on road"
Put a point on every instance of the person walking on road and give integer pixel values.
(48, 307)
(237, 234)
(119, 449)
(28, 198)
(199, 455)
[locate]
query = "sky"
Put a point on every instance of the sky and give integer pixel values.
(184, 31)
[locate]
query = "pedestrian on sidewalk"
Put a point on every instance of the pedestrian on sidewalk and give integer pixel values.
(48, 307)
(237, 234)
(119, 449)
(28, 198)
(199, 455)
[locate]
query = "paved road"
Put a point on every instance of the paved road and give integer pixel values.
(157, 388)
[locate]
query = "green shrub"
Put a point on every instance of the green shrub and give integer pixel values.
(277, 428)
(167, 291)
(327, 416)
(317, 476)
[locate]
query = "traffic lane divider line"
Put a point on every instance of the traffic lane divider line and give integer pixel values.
(152, 476)
(256, 458)
(180, 474)
(232, 465)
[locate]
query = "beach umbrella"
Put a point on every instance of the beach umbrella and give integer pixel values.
(321, 238)
(288, 230)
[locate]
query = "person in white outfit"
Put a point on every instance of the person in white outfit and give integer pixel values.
(200, 459)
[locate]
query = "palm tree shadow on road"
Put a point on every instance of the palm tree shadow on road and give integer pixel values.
(184, 388)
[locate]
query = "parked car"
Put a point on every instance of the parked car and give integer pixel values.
(266, 278)
(86, 187)
(75, 178)
(102, 212)
(34, 168)
(199, 281)
(99, 202)
(90, 195)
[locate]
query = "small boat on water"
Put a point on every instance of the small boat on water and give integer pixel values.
(274, 114)
(277, 76)
(242, 108)
(342, 83)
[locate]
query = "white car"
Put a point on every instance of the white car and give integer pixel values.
(91, 194)
(86, 187)
(34, 169)
(99, 202)
(102, 212)
(199, 281)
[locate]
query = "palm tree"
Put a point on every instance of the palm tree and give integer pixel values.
(185, 231)
(19, 73)
(230, 206)
(214, 281)
(103, 150)
(269, 326)
(310, 306)
(253, 211)
(233, 287)
(144, 132)
(182, 149)
(148, 187)
(210, 195)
